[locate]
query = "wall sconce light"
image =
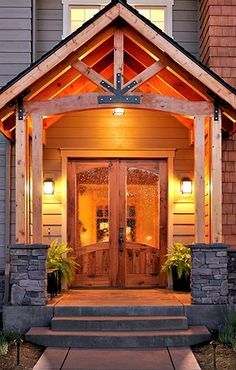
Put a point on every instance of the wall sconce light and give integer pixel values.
(48, 187)
(186, 185)
(118, 111)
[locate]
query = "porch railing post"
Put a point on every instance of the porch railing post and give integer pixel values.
(216, 179)
(199, 178)
(21, 163)
(37, 177)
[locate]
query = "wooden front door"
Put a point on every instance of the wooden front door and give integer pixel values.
(117, 221)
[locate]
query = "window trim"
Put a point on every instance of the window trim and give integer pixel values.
(168, 4)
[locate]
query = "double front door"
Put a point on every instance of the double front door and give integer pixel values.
(117, 221)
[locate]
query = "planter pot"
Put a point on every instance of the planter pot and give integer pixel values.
(180, 284)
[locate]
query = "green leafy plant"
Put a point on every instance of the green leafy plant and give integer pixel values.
(3, 345)
(58, 258)
(227, 335)
(179, 258)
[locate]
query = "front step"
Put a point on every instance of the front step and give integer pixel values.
(120, 339)
(119, 323)
(119, 310)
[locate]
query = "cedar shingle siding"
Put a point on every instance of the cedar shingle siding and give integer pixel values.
(218, 37)
(229, 190)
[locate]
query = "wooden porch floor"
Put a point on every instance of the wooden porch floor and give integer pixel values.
(121, 297)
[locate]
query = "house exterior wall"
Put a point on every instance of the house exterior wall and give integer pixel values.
(217, 35)
(16, 51)
(229, 191)
(136, 130)
(15, 38)
(4, 147)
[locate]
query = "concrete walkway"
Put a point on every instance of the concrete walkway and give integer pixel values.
(120, 359)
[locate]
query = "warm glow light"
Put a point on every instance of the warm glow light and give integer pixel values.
(186, 185)
(118, 111)
(48, 187)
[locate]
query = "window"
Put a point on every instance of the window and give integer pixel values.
(76, 12)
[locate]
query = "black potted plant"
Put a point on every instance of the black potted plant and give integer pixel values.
(179, 264)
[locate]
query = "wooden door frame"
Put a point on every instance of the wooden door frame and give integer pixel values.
(167, 154)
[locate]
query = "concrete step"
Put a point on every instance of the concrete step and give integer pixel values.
(118, 339)
(119, 323)
(118, 310)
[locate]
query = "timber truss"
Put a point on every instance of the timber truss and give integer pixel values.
(110, 62)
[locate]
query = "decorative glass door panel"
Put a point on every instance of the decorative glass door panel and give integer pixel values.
(116, 209)
(142, 265)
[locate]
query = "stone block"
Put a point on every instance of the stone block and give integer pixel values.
(216, 266)
(37, 275)
(19, 262)
(17, 294)
(20, 252)
(34, 289)
(42, 258)
(223, 271)
(19, 276)
(221, 254)
(224, 288)
(223, 260)
(201, 271)
(37, 301)
(210, 288)
(43, 282)
(207, 300)
(212, 259)
(29, 283)
(38, 252)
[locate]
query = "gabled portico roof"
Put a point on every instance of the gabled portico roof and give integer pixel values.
(160, 64)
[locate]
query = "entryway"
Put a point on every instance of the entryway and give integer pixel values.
(117, 221)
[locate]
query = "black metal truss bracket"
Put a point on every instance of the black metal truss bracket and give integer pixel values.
(118, 93)
(19, 101)
(218, 102)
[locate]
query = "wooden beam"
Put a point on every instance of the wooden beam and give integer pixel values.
(189, 65)
(37, 177)
(145, 75)
(91, 74)
(90, 101)
(21, 180)
(72, 75)
(175, 68)
(199, 179)
(216, 180)
(118, 55)
(8, 134)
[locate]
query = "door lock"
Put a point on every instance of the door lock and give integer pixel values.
(121, 239)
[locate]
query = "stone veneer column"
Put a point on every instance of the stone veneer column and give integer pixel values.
(232, 276)
(28, 274)
(209, 275)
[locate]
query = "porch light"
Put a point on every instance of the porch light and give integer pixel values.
(186, 185)
(48, 187)
(118, 111)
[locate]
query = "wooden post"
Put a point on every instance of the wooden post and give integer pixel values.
(199, 179)
(37, 177)
(118, 55)
(216, 180)
(21, 180)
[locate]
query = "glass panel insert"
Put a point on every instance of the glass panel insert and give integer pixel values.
(154, 14)
(142, 207)
(93, 213)
(81, 14)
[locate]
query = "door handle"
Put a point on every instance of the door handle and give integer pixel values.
(121, 239)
